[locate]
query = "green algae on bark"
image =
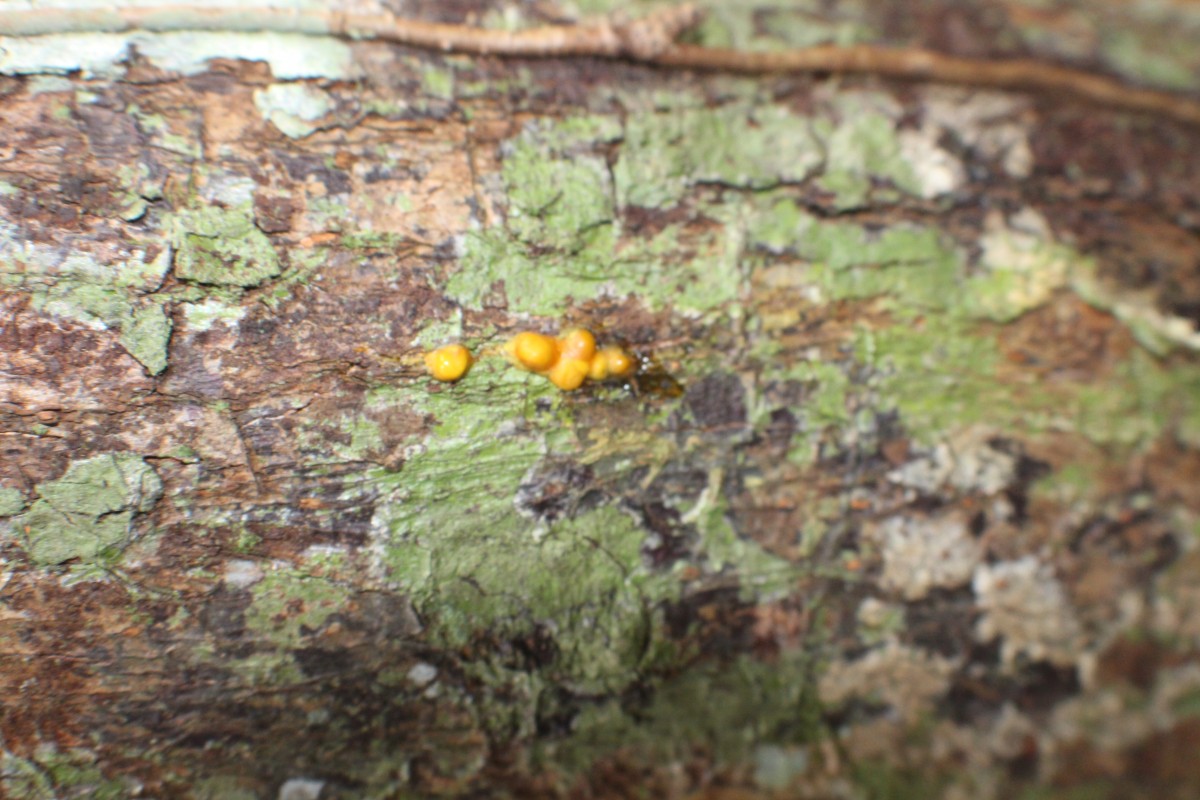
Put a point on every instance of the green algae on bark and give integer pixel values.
(88, 513)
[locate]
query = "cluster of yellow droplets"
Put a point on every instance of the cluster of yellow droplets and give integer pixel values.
(567, 361)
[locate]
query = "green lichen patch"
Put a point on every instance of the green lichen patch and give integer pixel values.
(221, 247)
(1021, 266)
(561, 241)
(203, 315)
(116, 294)
(146, 335)
(664, 154)
(87, 514)
(725, 709)
(11, 501)
(909, 268)
(863, 147)
(291, 604)
(453, 533)
(563, 202)
(688, 271)
(53, 774)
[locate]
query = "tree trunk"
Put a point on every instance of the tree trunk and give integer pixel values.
(903, 500)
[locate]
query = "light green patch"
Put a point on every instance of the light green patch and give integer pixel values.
(202, 316)
(87, 514)
(759, 573)
(291, 605)
(939, 376)
(880, 779)
(104, 296)
(48, 84)
(725, 710)
(908, 268)
(437, 82)
(1022, 267)
(221, 247)
(139, 188)
(360, 438)
(11, 501)
(329, 213)
(294, 108)
(826, 405)
(52, 775)
(698, 273)
(442, 332)
(776, 767)
(862, 148)
(560, 245)
(146, 337)
(159, 131)
(23, 779)
(1166, 61)
(564, 203)
(753, 147)
(75, 773)
(450, 535)
(1068, 485)
(224, 787)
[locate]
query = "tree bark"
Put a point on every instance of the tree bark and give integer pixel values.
(902, 500)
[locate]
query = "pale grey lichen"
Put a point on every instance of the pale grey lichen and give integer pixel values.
(294, 108)
(908, 679)
(970, 461)
(1026, 606)
(922, 554)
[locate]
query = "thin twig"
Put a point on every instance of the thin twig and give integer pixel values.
(925, 65)
(649, 40)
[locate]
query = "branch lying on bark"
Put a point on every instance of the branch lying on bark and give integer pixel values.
(649, 40)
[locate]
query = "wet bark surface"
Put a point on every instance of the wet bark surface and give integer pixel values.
(901, 502)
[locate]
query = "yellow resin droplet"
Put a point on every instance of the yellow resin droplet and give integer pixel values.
(598, 369)
(579, 344)
(448, 363)
(533, 351)
(619, 362)
(569, 373)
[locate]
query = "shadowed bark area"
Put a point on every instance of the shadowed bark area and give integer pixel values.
(901, 502)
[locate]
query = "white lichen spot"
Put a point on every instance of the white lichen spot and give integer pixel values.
(987, 122)
(290, 55)
(301, 789)
(202, 316)
(294, 108)
(879, 621)
(936, 171)
(923, 554)
(1009, 733)
(422, 674)
(1025, 605)
(970, 461)
(241, 573)
(1024, 263)
(906, 678)
(775, 767)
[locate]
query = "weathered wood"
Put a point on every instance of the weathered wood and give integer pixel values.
(902, 502)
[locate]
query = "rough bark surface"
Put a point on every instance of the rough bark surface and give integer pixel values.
(903, 502)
